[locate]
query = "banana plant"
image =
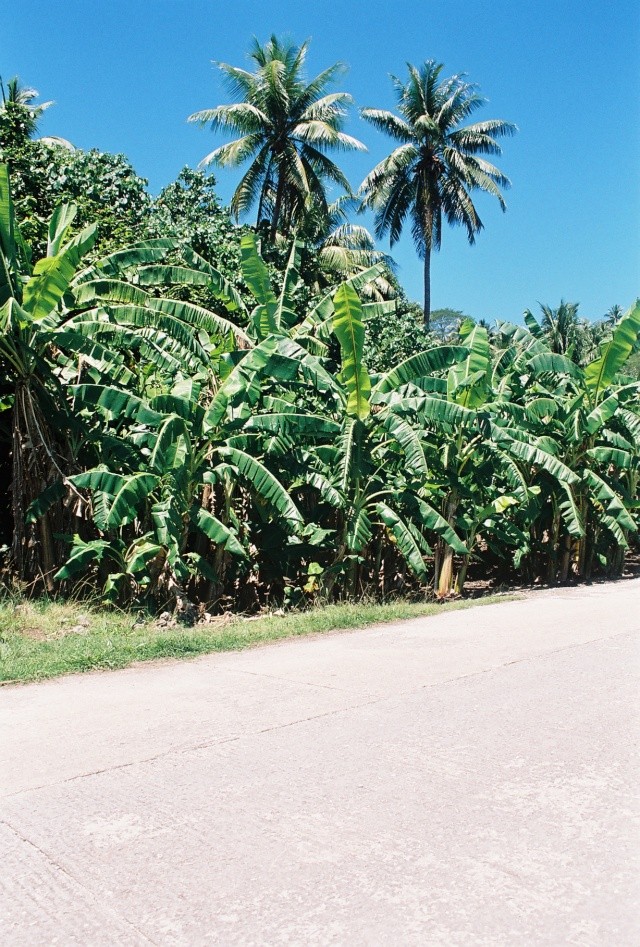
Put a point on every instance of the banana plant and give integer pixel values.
(484, 465)
(376, 467)
(164, 505)
(41, 423)
(593, 414)
(63, 322)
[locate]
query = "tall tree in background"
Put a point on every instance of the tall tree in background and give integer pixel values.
(286, 127)
(437, 164)
(18, 108)
(561, 327)
(566, 334)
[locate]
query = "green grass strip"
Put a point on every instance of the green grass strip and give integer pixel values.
(46, 639)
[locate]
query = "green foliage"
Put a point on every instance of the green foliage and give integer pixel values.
(349, 329)
(393, 338)
(105, 189)
(286, 125)
(188, 210)
(198, 414)
(444, 323)
(438, 163)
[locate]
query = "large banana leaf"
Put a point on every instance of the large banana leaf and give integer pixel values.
(165, 274)
(611, 502)
(10, 241)
(288, 423)
(277, 358)
(160, 348)
(284, 310)
(186, 407)
(172, 446)
(115, 404)
(612, 456)
(124, 494)
(105, 360)
(322, 484)
(128, 259)
(554, 364)
(615, 439)
(50, 281)
(255, 274)
(109, 290)
(217, 532)
(241, 380)
(6, 281)
(435, 522)
(266, 486)
(59, 224)
(631, 423)
(199, 318)
(535, 456)
(309, 366)
(359, 529)
(420, 365)
(140, 555)
(82, 555)
(542, 409)
(349, 330)
(613, 354)
(254, 271)
(220, 287)
(468, 381)
(346, 453)
(324, 309)
(322, 330)
(602, 413)
(511, 470)
(409, 441)
(162, 326)
(439, 412)
(570, 512)
(533, 325)
(406, 544)
(50, 495)
(7, 216)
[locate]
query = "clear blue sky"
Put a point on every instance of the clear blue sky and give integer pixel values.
(126, 73)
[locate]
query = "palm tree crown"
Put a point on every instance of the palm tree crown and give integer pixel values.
(561, 326)
(341, 248)
(286, 126)
(567, 334)
(438, 163)
(20, 100)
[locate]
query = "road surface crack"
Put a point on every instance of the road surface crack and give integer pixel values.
(50, 860)
(235, 738)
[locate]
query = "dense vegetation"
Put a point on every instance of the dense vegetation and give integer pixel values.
(198, 412)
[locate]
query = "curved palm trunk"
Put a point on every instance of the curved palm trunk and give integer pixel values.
(427, 288)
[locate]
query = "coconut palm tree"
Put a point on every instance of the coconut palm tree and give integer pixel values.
(437, 165)
(567, 334)
(561, 326)
(340, 249)
(286, 127)
(612, 315)
(20, 99)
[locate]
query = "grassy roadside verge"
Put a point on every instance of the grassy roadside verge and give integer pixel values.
(46, 639)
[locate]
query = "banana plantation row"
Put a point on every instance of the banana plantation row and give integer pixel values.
(165, 453)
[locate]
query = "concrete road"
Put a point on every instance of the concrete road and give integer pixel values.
(468, 779)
